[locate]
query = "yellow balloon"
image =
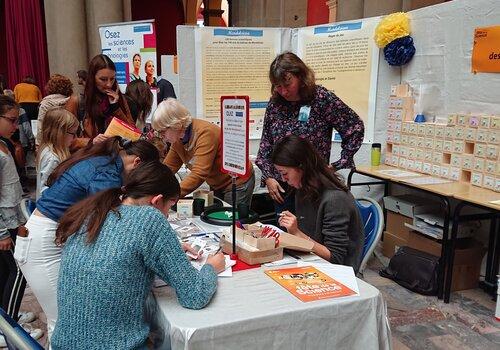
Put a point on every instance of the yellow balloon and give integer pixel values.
(391, 27)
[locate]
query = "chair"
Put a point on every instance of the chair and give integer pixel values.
(15, 336)
(373, 222)
(27, 207)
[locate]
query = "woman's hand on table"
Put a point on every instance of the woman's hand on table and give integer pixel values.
(275, 190)
(187, 248)
(217, 261)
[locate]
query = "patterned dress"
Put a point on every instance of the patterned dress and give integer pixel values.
(328, 112)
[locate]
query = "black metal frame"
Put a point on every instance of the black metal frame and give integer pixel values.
(493, 215)
(445, 249)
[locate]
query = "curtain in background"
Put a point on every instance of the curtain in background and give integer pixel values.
(26, 44)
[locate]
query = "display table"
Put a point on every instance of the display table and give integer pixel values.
(251, 311)
(467, 195)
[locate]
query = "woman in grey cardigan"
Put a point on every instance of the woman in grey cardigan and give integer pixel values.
(326, 212)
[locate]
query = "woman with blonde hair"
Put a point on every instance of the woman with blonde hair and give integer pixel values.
(56, 134)
(197, 144)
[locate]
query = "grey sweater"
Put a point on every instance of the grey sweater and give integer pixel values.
(335, 222)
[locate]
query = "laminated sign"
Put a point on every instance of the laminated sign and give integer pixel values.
(486, 50)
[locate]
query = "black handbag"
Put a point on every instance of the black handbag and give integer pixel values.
(414, 270)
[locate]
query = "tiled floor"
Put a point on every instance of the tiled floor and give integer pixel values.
(417, 322)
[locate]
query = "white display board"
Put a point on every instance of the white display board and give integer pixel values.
(234, 111)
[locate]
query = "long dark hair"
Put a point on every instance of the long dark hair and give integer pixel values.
(93, 96)
(111, 147)
(289, 63)
(139, 99)
(148, 179)
(296, 152)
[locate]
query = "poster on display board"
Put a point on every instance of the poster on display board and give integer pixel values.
(234, 111)
(344, 58)
(132, 47)
(234, 61)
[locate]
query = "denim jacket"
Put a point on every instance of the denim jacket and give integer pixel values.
(83, 179)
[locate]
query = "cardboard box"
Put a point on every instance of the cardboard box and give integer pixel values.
(391, 244)
(467, 263)
(396, 225)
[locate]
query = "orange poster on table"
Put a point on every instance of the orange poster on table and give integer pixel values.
(309, 284)
(486, 50)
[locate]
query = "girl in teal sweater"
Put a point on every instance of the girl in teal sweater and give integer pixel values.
(115, 242)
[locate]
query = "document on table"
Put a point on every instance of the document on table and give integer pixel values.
(398, 173)
(341, 273)
(428, 180)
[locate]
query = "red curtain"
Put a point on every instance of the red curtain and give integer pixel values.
(26, 43)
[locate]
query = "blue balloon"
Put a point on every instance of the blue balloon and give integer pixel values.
(399, 51)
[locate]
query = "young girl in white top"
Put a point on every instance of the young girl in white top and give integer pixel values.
(58, 130)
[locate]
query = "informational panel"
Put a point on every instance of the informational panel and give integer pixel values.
(344, 58)
(486, 52)
(234, 61)
(132, 47)
(234, 111)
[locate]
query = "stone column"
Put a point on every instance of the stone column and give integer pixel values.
(350, 9)
(381, 7)
(100, 12)
(333, 10)
(66, 37)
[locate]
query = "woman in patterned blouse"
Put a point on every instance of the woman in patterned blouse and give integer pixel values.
(300, 107)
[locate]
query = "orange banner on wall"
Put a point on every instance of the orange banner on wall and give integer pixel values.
(486, 50)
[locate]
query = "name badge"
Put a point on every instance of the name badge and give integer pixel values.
(304, 113)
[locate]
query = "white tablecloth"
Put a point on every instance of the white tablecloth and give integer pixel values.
(251, 311)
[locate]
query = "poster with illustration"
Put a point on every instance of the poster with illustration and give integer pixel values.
(132, 47)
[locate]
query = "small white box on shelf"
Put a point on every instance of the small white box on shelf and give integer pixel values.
(447, 145)
(412, 128)
(388, 159)
(462, 119)
(449, 132)
(497, 184)
(490, 166)
(480, 149)
(478, 164)
(418, 165)
(494, 136)
(395, 161)
(421, 153)
(436, 170)
(420, 142)
(481, 135)
(476, 179)
(403, 151)
(470, 134)
(495, 122)
(473, 121)
(439, 130)
(405, 127)
(458, 146)
(438, 145)
(421, 129)
(452, 119)
(429, 143)
(397, 126)
(492, 151)
(454, 173)
(429, 130)
(410, 164)
(404, 139)
(412, 140)
(395, 150)
(445, 171)
(412, 153)
(489, 181)
(437, 157)
(390, 136)
(456, 160)
(467, 161)
(402, 162)
(428, 156)
(396, 137)
(484, 121)
(459, 132)
(427, 168)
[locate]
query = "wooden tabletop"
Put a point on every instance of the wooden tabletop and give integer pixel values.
(455, 189)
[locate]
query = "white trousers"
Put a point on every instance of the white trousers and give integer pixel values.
(39, 259)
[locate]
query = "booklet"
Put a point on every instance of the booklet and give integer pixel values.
(118, 127)
(307, 283)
